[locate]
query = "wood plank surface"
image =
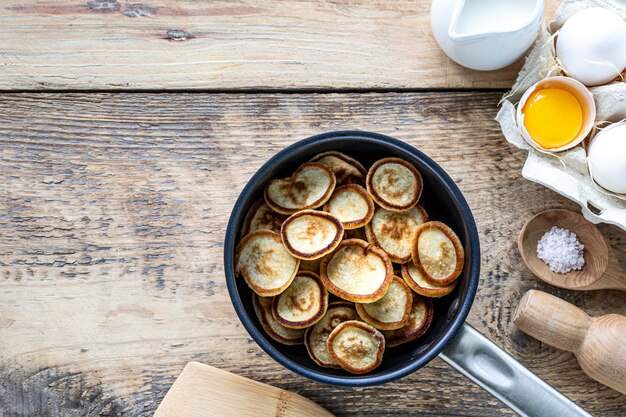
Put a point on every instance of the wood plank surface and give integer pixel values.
(112, 216)
(242, 44)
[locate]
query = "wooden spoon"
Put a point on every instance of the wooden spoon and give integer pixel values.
(202, 390)
(601, 270)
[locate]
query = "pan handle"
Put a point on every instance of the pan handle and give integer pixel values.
(479, 359)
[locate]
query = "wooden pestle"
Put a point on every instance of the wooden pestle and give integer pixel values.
(599, 343)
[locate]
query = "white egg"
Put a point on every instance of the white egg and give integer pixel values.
(607, 158)
(592, 46)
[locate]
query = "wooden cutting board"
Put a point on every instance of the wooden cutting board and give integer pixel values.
(203, 390)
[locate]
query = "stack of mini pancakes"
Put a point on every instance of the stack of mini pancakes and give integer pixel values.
(336, 228)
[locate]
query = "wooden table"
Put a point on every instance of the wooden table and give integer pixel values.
(127, 131)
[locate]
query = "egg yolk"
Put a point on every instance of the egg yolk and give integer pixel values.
(553, 117)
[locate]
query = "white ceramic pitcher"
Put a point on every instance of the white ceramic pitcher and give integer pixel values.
(486, 34)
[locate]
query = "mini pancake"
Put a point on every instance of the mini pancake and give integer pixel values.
(347, 170)
(420, 285)
(390, 312)
(302, 304)
(394, 184)
(357, 271)
(261, 217)
(356, 346)
(352, 205)
(265, 264)
(393, 231)
(275, 330)
(437, 253)
(316, 336)
(309, 187)
(420, 320)
(311, 234)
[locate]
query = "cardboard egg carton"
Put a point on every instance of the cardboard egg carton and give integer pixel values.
(567, 172)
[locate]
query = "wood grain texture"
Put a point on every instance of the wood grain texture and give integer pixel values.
(112, 217)
(243, 44)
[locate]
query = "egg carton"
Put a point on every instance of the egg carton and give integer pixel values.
(567, 172)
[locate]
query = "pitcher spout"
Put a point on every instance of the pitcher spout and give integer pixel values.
(478, 19)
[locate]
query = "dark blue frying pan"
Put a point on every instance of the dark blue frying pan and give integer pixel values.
(449, 336)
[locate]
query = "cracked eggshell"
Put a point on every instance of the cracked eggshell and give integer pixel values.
(582, 94)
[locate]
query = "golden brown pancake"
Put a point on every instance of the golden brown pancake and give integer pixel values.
(357, 271)
(309, 187)
(347, 170)
(275, 330)
(394, 184)
(437, 253)
(265, 264)
(419, 321)
(356, 346)
(393, 231)
(261, 217)
(420, 285)
(316, 336)
(311, 234)
(391, 311)
(302, 304)
(352, 205)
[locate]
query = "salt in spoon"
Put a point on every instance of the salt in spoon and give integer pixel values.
(602, 270)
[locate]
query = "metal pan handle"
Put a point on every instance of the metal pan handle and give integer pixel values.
(479, 359)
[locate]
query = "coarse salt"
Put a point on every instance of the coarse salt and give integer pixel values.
(561, 250)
